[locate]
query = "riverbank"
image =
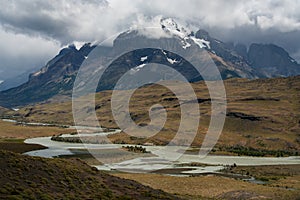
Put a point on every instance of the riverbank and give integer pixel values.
(183, 176)
(13, 135)
(18, 146)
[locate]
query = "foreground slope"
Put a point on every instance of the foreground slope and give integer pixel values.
(24, 177)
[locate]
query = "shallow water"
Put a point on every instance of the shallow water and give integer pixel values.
(160, 160)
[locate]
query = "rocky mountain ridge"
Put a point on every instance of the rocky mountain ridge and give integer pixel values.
(58, 76)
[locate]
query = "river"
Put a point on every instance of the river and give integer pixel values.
(160, 157)
(157, 160)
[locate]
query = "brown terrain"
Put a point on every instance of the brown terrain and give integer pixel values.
(25, 177)
(219, 187)
(262, 115)
(12, 136)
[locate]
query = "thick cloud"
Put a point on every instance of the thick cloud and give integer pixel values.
(19, 53)
(38, 28)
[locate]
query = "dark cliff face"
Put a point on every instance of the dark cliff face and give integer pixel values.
(57, 77)
(272, 60)
(134, 60)
(234, 56)
(261, 60)
(241, 49)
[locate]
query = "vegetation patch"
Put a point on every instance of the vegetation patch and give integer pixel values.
(25, 177)
(18, 147)
(250, 151)
(135, 149)
(265, 173)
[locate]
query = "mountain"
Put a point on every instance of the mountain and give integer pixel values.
(58, 76)
(263, 60)
(272, 61)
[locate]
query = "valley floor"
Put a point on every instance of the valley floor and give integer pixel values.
(272, 182)
(218, 187)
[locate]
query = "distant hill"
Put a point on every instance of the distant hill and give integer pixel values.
(272, 61)
(25, 177)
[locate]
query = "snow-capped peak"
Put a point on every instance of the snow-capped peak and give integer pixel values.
(1, 81)
(78, 44)
(160, 27)
(185, 34)
(170, 26)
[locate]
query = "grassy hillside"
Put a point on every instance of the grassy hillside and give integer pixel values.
(262, 115)
(25, 177)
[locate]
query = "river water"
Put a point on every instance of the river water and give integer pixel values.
(161, 157)
(158, 159)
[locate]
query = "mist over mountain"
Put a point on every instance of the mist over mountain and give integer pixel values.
(58, 76)
(17, 80)
(33, 32)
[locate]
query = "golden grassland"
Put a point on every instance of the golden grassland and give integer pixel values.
(262, 114)
(19, 131)
(217, 187)
(273, 102)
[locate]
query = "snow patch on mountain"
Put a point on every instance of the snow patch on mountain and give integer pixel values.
(41, 71)
(164, 52)
(140, 66)
(144, 58)
(1, 81)
(185, 44)
(159, 27)
(37, 73)
(78, 45)
(172, 61)
(175, 29)
(183, 33)
(136, 69)
(201, 42)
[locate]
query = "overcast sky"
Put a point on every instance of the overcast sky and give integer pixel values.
(33, 31)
